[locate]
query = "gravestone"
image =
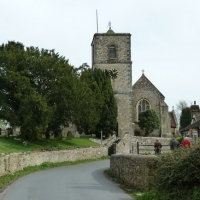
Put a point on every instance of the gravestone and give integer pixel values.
(69, 135)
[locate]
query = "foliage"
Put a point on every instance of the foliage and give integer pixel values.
(149, 121)
(108, 120)
(180, 139)
(41, 93)
(153, 195)
(89, 111)
(28, 82)
(178, 173)
(179, 107)
(100, 113)
(185, 118)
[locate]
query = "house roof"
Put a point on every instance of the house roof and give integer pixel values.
(173, 120)
(197, 115)
(194, 125)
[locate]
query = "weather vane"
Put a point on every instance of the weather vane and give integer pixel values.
(142, 71)
(109, 25)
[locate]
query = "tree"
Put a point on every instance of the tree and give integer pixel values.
(37, 91)
(21, 104)
(88, 110)
(108, 120)
(41, 93)
(100, 113)
(149, 121)
(179, 107)
(185, 118)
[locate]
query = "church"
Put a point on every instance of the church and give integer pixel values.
(112, 51)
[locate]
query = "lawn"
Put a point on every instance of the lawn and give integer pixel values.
(15, 144)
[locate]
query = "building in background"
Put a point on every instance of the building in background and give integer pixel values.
(193, 130)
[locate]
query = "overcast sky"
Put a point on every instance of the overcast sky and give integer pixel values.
(165, 40)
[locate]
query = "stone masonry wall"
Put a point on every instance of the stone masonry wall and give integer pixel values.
(128, 144)
(10, 163)
(144, 89)
(137, 171)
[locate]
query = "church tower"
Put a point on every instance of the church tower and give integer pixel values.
(112, 51)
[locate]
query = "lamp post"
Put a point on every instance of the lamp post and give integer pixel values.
(101, 137)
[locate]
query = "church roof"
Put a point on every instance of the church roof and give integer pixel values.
(110, 32)
(144, 79)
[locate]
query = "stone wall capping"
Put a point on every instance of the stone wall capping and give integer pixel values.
(13, 162)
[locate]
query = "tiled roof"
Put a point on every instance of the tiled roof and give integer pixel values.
(197, 115)
(194, 125)
(173, 122)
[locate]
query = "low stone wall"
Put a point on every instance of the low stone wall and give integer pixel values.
(128, 144)
(10, 163)
(137, 171)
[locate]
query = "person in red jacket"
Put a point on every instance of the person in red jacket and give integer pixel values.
(186, 142)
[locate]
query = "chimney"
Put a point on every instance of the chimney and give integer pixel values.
(194, 108)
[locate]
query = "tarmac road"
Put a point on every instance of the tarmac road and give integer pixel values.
(76, 182)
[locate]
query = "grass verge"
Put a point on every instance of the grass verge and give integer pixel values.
(15, 144)
(133, 193)
(10, 178)
(137, 194)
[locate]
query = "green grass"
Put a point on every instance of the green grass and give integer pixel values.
(10, 178)
(138, 194)
(14, 144)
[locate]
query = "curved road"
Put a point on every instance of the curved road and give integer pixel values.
(75, 182)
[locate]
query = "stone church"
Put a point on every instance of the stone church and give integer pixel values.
(112, 51)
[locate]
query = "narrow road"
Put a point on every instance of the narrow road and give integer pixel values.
(75, 182)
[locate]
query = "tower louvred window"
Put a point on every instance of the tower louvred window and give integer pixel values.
(112, 52)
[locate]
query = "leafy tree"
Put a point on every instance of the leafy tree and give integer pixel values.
(41, 93)
(56, 80)
(185, 118)
(149, 121)
(21, 105)
(108, 120)
(38, 88)
(92, 106)
(100, 111)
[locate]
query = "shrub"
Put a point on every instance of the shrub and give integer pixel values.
(178, 173)
(180, 139)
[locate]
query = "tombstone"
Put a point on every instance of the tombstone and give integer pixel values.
(9, 131)
(69, 135)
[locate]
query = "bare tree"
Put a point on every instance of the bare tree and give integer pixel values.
(179, 107)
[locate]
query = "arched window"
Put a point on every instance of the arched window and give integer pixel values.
(112, 52)
(143, 105)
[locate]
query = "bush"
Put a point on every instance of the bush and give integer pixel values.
(180, 139)
(178, 173)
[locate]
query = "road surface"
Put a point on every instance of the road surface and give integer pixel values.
(75, 182)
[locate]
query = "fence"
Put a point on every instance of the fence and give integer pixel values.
(150, 148)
